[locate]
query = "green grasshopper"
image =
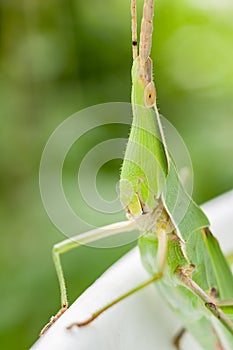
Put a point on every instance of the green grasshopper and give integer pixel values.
(179, 251)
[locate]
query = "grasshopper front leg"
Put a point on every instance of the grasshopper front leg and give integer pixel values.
(75, 242)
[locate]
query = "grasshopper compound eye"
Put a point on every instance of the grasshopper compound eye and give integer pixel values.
(150, 95)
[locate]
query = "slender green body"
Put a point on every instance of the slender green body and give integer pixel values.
(190, 245)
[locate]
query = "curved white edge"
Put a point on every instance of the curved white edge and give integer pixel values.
(142, 321)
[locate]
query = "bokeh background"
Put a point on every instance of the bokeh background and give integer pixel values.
(58, 57)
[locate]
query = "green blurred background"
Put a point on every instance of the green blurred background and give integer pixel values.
(58, 57)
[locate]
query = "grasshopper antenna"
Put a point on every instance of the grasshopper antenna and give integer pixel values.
(134, 29)
(146, 31)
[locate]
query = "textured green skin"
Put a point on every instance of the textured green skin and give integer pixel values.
(145, 177)
(201, 248)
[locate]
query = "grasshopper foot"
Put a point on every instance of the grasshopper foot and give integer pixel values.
(178, 337)
(53, 319)
(81, 324)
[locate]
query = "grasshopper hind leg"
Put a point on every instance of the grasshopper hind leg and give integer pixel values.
(155, 278)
